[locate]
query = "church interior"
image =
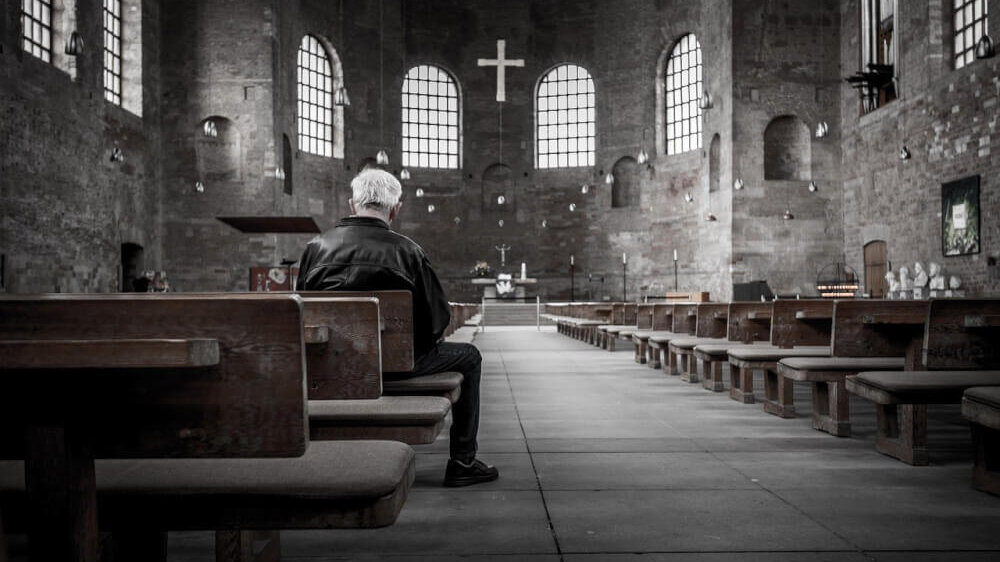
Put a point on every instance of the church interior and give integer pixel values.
(607, 152)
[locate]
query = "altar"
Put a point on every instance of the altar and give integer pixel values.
(489, 285)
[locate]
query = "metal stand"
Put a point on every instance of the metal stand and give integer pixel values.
(675, 276)
(624, 282)
(571, 282)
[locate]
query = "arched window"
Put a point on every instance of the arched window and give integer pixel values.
(113, 51)
(970, 24)
(36, 28)
(682, 94)
(432, 123)
(315, 85)
(565, 118)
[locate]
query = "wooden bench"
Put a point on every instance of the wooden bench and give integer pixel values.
(711, 320)
(661, 318)
(860, 341)
(623, 325)
(958, 350)
(207, 382)
(643, 326)
(580, 320)
(741, 331)
(683, 323)
(981, 406)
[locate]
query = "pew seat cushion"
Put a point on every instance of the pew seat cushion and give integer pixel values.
(336, 484)
(856, 364)
(981, 404)
(662, 338)
(387, 410)
(690, 343)
(720, 351)
(918, 387)
(772, 354)
(425, 384)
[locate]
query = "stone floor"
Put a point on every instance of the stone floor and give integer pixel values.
(603, 459)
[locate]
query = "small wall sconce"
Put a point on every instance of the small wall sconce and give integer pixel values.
(404, 174)
(689, 198)
(643, 156)
(210, 129)
(822, 130)
(431, 208)
(710, 217)
(609, 179)
(904, 153)
(813, 188)
(340, 97)
(788, 215)
(572, 207)
(382, 158)
(74, 45)
(117, 155)
(985, 48)
(420, 192)
(706, 100)
(501, 199)
(738, 184)
(199, 187)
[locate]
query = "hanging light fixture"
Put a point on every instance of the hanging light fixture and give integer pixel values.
(500, 223)
(710, 217)
(822, 129)
(341, 98)
(431, 208)
(74, 45)
(572, 207)
(788, 215)
(420, 192)
(904, 153)
(706, 100)
(501, 199)
(382, 158)
(609, 179)
(813, 188)
(688, 197)
(117, 155)
(456, 220)
(210, 129)
(643, 156)
(585, 189)
(985, 48)
(199, 187)
(404, 174)
(738, 184)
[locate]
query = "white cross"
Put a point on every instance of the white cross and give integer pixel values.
(500, 62)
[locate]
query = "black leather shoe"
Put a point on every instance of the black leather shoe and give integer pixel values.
(458, 474)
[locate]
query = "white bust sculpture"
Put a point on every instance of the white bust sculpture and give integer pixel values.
(919, 276)
(905, 284)
(937, 278)
(954, 282)
(890, 278)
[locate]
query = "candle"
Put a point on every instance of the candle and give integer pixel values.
(675, 254)
(524, 270)
(624, 258)
(571, 260)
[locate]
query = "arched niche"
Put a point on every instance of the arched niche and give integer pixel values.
(625, 188)
(218, 158)
(498, 181)
(714, 164)
(787, 149)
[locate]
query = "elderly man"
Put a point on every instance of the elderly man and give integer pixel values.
(361, 253)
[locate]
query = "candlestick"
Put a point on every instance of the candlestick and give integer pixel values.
(524, 270)
(571, 261)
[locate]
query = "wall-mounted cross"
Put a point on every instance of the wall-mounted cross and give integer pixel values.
(501, 63)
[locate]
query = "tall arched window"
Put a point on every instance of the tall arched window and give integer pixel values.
(565, 118)
(113, 51)
(432, 123)
(315, 85)
(682, 94)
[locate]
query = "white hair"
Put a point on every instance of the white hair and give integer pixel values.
(375, 189)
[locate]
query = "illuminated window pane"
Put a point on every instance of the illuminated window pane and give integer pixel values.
(565, 118)
(682, 92)
(315, 85)
(430, 118)
(113, 51)
(36, 23)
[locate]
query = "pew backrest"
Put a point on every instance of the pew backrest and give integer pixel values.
(749, 322)
(878, 328)
(685, 319)
(712, 320)
(663, 317)
(343, 347)
(226, 377)
(962, 334)
(644, 316)
(801, 322)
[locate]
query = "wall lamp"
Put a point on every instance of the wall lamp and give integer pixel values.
(74, 45)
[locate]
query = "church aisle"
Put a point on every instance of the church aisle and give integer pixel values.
(605, 459)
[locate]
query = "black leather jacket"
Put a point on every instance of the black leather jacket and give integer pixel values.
(362, 254)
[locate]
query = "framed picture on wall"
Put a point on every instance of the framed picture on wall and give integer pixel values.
(960, 217)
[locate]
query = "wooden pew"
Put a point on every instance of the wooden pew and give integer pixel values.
(981, 406)
(643, 327)
(661, 321)
(682, 324)
(711, 320)
(745, 325)
(957, 350)
(345, 358)
(581, 319)
(624, 318)
(799, 328)
(215, 384)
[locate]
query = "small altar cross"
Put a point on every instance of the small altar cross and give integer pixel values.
(503, 249)
(501, 63)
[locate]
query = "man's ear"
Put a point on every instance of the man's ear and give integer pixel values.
(350, 203)
(395, 211)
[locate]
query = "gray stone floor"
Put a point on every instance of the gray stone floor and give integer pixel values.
(603, 459)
